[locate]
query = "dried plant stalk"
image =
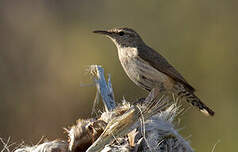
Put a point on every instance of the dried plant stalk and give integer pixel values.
(140, 127)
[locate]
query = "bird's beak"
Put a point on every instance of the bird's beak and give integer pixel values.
(102, 32)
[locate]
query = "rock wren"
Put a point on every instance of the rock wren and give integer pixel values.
(148, 69)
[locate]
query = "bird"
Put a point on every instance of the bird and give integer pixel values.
(148, 69)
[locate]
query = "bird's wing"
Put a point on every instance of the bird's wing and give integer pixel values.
(160, 63)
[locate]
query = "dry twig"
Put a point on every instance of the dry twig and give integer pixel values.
(139, 127)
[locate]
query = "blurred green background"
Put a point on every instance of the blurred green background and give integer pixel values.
(47, 45)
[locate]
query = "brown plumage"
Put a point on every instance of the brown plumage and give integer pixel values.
(160, 63)
(148, 69)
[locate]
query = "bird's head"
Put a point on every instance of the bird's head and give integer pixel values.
(122, 37)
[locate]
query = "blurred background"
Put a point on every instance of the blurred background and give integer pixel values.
(45, 47)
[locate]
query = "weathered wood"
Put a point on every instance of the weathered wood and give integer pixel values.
(139, 127)
(104, 88)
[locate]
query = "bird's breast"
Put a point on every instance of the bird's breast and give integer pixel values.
(141, 72)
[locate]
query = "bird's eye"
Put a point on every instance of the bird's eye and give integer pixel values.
(121, 33)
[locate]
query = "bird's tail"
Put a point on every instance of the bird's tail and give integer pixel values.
(195, 101)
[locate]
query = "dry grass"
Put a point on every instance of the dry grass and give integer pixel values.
(143, 126)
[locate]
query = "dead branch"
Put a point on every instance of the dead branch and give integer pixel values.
(140, 127)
